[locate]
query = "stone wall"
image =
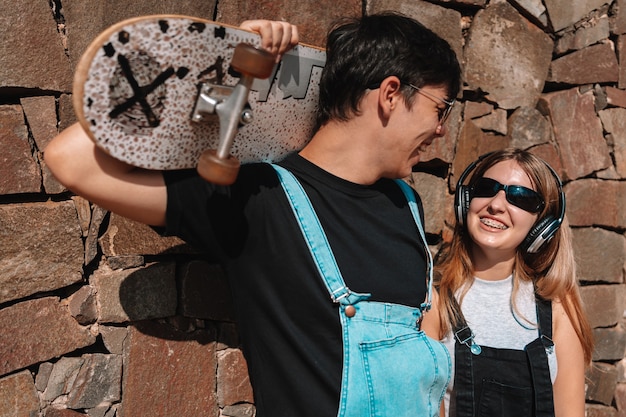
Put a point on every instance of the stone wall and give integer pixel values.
(101, 317)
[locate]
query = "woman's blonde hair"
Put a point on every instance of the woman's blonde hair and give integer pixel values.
(552, 268)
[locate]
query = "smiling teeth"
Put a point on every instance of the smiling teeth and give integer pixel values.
(494, 224)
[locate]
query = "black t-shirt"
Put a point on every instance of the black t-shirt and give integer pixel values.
(289, 327)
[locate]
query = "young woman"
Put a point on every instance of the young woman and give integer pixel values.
(510, 307)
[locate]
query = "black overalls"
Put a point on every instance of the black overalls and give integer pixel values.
(503, 382)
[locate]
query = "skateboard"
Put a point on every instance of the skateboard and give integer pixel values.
(172, 92)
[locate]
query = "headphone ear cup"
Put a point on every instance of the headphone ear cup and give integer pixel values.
(461, 203)
(540, 234)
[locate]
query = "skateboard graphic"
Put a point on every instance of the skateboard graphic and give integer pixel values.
(172, 92)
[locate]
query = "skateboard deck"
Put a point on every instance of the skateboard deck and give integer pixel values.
(137, 85)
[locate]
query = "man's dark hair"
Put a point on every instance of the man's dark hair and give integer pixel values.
(362, 52)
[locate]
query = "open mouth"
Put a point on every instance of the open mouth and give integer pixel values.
(494, 224)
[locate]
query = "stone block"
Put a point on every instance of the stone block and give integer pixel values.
(595, 30)
(87, 18)
(564, 13)
(614, 123)
(205, 292)
(19, 172)
(604, 304)
(40, 248)
(32, 51)
(577, 130)
(594, 64)
(233, 381)
(601, 381)
(113, 337)
(444, 22)
(41, 116)
(597, 410)
(610, 344)
(180, 366)
(312, 18)
(37, 330)
(61, 378)
(500, 41)
(608, 195)
(126, 237)
(435, 196)
(82, 305)
(18, 396)
(98, 382)
(528, 127)
(136, 294)
(600, 255)
(615, 96)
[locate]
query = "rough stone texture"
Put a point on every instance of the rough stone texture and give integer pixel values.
(597, 410)
(528, 127)
(181, 367)
(610, 195)
(523, 52)
(205, 292)
(600, 255)
(444, 22)
(38, 330)
(578, 131)
(61, 378)
(567, 12)
(595, 30)
(621, 49)
(19, 172)
(18, 396)
(604, 304)
(82, 305)
(40, 248)
(614, 123)
(435, 191)
(136, 294)
(313, 18)
(113, 338)
(602, 379)
(615, 97)
(232, 372)
(609, 343)
(98, 381)
(595, 64)
(31, 49)
(126, 237)
(87, 18)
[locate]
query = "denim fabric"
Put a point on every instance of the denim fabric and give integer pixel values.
(390, 367)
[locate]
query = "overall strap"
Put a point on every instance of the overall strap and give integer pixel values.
(316, 240)
(319, 247)
(538, 360)
(410, 197)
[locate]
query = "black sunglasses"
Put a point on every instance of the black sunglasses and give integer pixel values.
(522, 197)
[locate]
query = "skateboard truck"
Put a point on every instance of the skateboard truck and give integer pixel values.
(218, 166)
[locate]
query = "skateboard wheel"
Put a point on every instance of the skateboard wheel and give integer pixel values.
(251, 61)
(216, 170)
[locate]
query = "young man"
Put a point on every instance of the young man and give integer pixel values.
(317, 305)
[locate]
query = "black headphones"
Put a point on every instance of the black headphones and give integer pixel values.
(542, 231)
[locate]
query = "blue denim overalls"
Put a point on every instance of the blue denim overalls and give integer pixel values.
(491, 382)
(390, 366)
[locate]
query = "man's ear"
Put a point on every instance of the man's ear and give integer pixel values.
(389, 96)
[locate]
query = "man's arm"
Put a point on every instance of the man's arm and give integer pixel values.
(138, 194)
(86, 170)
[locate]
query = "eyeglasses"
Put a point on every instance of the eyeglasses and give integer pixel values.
(522, 197)
(443, 113)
